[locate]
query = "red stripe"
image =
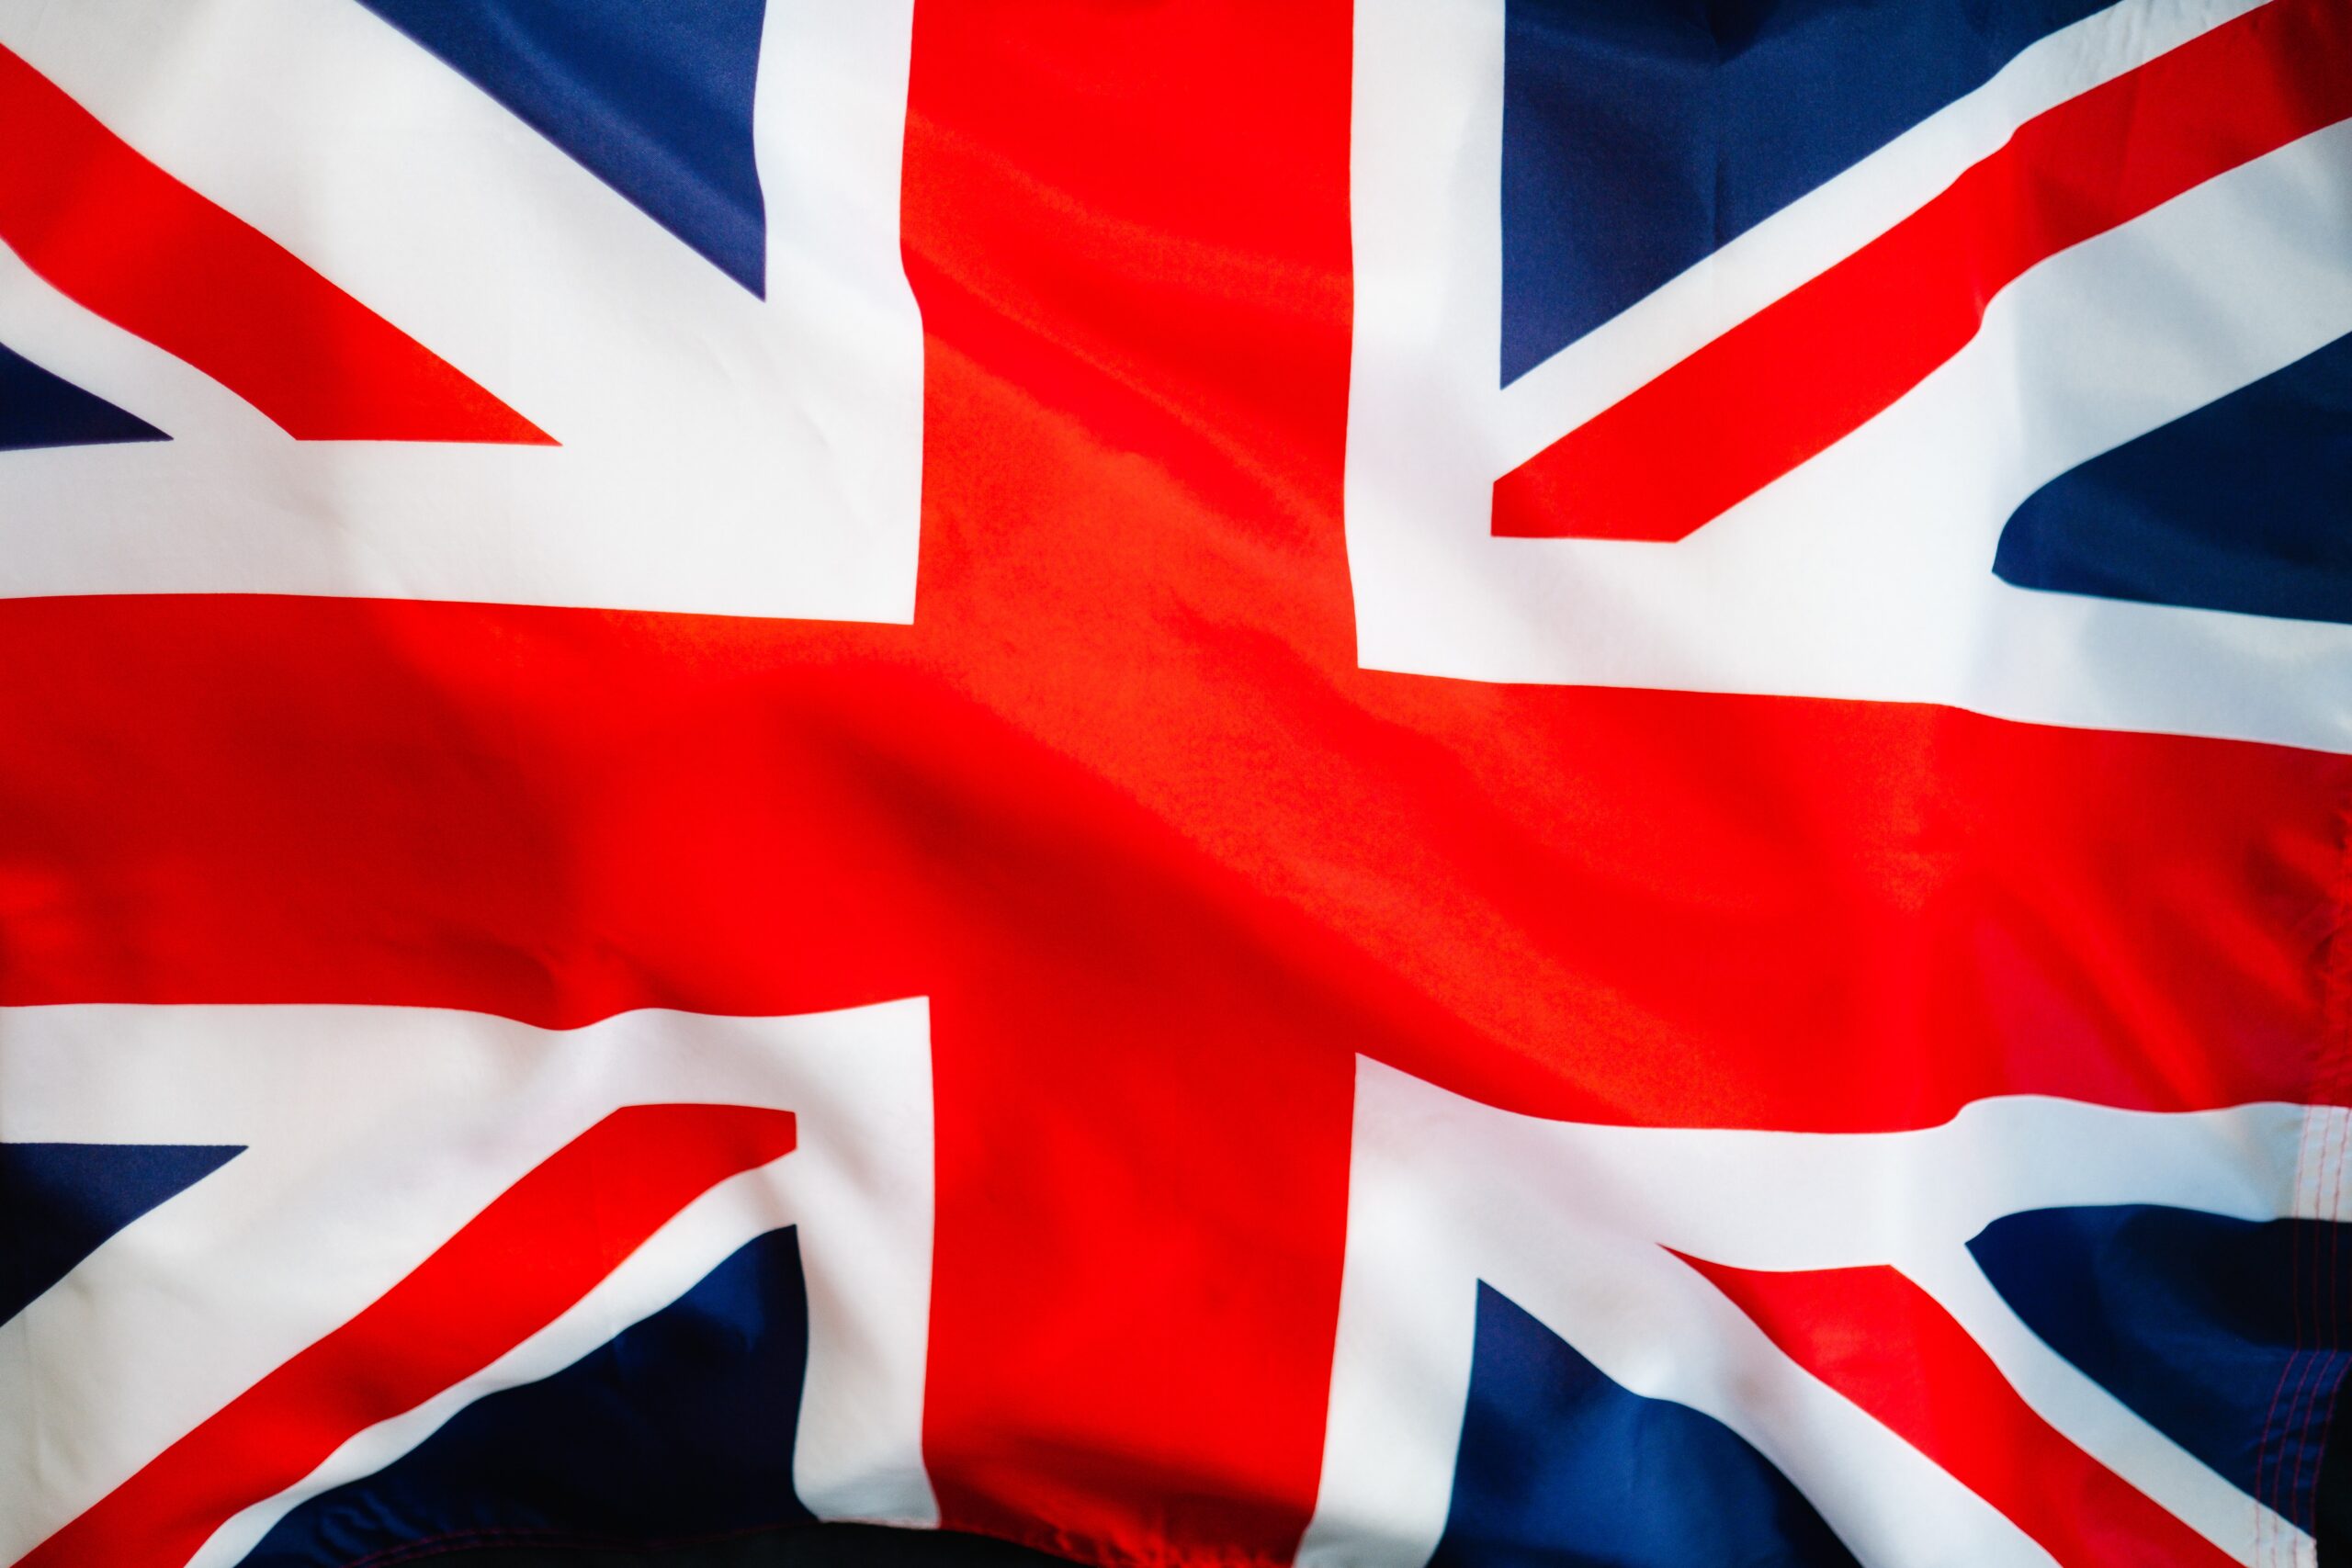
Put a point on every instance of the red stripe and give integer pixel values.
(1808, 371)
(514, 1268)
(126, 241)
(1883, 1342)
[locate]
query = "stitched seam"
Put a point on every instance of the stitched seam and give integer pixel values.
(2335, 1015)
(2319, 1188)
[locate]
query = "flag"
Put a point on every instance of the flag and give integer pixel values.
(1369, 782)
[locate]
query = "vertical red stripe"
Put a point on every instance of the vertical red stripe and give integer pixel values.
(118, 235)
(1886, 1344)
(1808, 371)
(513, 1268)
(1127, 226)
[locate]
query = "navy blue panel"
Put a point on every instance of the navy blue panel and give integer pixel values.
(654, 96)
(1640, 135)
(1560, 1467)
(2193, 1320)
(2244, 504)
(58, 1202)
(2332, 1502)
(39, 408)
(681, 1427)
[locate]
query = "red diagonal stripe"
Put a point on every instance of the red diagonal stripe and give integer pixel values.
(513, 1268)
(1809, 369)
(126, 241)
(1886, 1344)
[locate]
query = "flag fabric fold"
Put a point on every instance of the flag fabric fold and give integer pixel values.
(1368, 782)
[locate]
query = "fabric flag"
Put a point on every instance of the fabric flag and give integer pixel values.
(1357, 783)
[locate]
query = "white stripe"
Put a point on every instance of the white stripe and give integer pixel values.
(374, 1133)
(1572, 1222)
(1833, 219)
(672, 1261)
(1866, 573)
(720, 453)
(2089, 1416)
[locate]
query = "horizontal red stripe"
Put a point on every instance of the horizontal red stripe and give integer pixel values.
(121, 238)
(1160, 891)
(1886, 1344)
(1808, 371)
(513, 1268)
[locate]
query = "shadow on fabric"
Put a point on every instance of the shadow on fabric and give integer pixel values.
(813, 1545)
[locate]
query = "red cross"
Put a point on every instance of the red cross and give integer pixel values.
(1123, 806)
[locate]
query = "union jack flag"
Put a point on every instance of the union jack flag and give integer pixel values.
(1371, 782)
